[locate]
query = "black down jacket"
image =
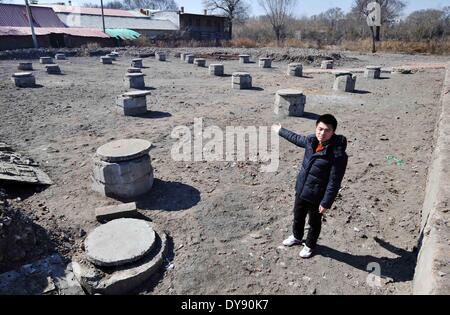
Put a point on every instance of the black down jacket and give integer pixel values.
(321, 173)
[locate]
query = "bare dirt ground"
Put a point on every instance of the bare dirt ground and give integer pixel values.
(227, 220)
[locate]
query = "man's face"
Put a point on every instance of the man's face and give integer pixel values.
(324, 132)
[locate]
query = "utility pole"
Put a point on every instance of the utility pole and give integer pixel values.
(30, 19)
(103, 17)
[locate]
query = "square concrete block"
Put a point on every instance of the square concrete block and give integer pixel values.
(23, 79)
(136, 63)
(135, 81)
(200, 62)
(106, 60)
(127, 210)
(26, 66)
(216, 70)
(46, 60)
(241, 81)
(243, 59)
(290, 103)
(60, 57)
(53, 69)
(372, 72)
(160, 56)
(189, 59)
(327, 64)
(345, 82)
(295, 70)
(131, 106)
(265, 63)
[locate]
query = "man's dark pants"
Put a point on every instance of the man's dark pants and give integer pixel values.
(301, 209)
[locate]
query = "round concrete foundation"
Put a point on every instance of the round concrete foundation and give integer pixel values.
(121, 280)
(122, 169)
(119, 242)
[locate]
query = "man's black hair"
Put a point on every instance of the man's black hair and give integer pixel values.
(328, 120)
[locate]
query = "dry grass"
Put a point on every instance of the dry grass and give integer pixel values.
(142, 41)
(396, 46)
(243, 43)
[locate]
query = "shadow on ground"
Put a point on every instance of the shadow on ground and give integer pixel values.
(400, 269)
(169, 196)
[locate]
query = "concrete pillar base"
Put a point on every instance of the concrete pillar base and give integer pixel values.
(344, 82)
(244, 59)
(327, 64)
(295, 70)
(23, 79)
(241, 81)
(25, 66)
(106, 60)
(136, 63)
(46, 60)
(53, 69)
(200, 62)
(216, 70)
(265, 63)
(372, 72)
(290, 103)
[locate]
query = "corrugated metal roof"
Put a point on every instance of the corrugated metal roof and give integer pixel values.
(122, 33)
(94, 11)
(74, 31)
(16, 15)
(94, 21)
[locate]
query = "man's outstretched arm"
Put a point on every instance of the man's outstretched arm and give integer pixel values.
(290, 136)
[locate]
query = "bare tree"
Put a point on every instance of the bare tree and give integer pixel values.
(390, 9)
(278, 12)
(115, 4)
(151, 4)
(234, 10)
(426, 24)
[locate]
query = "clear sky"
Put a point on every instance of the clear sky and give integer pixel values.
(305, 7)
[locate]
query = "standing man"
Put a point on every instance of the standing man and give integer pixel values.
(319, 180)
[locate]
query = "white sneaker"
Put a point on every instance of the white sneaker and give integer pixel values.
(291, 241)
(306, 252)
